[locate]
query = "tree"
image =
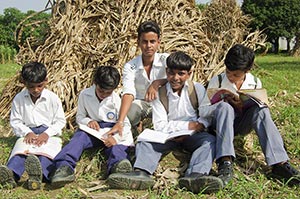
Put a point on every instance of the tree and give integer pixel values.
(278, 18)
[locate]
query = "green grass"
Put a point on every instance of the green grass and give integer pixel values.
(7, 71)
(279, 74)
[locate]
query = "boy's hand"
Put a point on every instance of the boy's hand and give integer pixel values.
(196, 126)
(117, 128)
(30, 138)
(151, 93)
(234, 101)
(42, 139)
(94, 125)
(109, 142)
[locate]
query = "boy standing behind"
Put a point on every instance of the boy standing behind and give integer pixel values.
(36, 116)
(180, 116)
(98, 107)
(229, 121)
(142, 77)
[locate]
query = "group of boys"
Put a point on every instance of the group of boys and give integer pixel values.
(37, 116)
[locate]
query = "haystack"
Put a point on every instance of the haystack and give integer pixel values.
(84, 34)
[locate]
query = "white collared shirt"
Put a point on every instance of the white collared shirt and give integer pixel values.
(181, 111)
(135, 80)
(206, 108)
(47, 110)
(90, 108)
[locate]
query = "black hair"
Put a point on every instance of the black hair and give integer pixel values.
(33, 72)
(239, 57)
(180, 61)
(148, 26)
(107, 77)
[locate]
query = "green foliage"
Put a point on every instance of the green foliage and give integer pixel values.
(9, 22)
(278, 18)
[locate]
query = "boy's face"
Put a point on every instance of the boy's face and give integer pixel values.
(148, 43)
(177, 78)
(35, 89)
(236, 76)
(103, 93)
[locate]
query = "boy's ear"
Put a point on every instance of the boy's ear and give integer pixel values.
(46, 80)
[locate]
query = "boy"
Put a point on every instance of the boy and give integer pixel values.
(180, 116)
(142, 77)
(229, 122)
(36, 116)
(98, 107)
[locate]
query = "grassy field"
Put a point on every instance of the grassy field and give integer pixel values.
(279, 75)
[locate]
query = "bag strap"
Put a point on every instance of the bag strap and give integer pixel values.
(162, 91)
(220, 80)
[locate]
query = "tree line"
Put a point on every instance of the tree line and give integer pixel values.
(8, 24)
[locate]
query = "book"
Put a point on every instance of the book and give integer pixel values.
(149, 135)
(101, 134)
(247, 96)
(50, 149)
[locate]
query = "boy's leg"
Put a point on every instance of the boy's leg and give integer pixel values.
(269, 137)
(197, 179)
(138, 111)
(65, 161)
(223, 121)
(17, 165)
(47, 167)
(118, 159)
(71, 153)
(147, 158)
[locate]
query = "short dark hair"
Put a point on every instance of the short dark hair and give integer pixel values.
(180, 61)
(239, 57)
(33, 72)
(148, 26)
(106, 77)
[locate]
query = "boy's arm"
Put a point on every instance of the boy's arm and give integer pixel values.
(152, 90)
(58, 121)
(16, 121)
(126, 102)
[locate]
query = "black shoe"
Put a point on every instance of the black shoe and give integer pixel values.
(7, 177)
(225, 171)
(137, 180)
(62, 176)
(286, 172)
(124, 166)
(33, 168)
(200, 183)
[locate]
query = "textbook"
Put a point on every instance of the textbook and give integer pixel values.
(50, 149)
(247, 96)
(149, 135)
(101, 134)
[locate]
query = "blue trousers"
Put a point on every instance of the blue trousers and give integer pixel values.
(17, 162)
(71, 153)
(201, 145)
(228, 124)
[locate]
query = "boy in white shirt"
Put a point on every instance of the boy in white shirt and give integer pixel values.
(98, 107)
(180, 116)
(36, 116)
(142, 77)
(230, 118)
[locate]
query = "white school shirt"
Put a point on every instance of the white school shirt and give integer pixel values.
(135, 80)
(89, 108)
(206, 109)
(181, 111)
(47, 110)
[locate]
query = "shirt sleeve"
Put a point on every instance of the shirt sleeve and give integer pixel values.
(59, 120)
(82, 115)
(128, 80)
(16, 121)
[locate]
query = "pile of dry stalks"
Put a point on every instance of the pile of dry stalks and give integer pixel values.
(84, 34)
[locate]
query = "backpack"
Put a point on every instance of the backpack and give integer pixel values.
(191, 91)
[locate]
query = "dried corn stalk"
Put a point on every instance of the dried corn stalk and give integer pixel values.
(84, 34)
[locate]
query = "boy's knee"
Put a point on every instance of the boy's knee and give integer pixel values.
(224, 107)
